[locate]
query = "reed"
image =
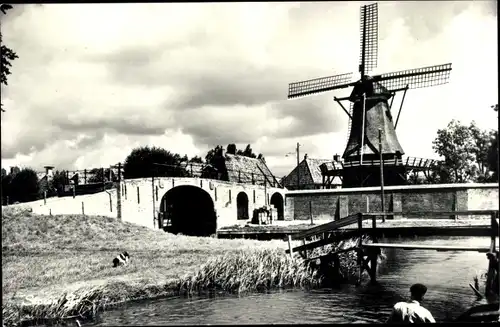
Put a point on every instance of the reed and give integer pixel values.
(251, 271)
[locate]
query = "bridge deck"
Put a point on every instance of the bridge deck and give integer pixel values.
(427, 247)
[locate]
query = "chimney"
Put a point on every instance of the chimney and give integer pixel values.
(49, 171)
(336, 158)
(305, 156)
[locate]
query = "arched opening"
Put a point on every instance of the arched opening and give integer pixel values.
(277, 202)
(242, 205)
(188, 210)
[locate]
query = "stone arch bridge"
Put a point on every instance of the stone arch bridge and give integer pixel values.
(196, 204)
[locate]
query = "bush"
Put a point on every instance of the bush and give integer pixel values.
(24, 186)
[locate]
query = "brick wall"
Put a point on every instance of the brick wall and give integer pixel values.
(338, 203)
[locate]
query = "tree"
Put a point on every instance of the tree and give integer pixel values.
(231, 148)
(484, 145)
(8, 55)
(215, 164)
(492, 159)
(6, 179)
(196, 159)
(465, 151)
(248, 152)
(59, 180)
(99, 175)
(24, 186)
(155, 161)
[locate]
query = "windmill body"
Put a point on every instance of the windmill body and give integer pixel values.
(371, 121)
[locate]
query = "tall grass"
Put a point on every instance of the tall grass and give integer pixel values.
(259, 270)
(64, 264)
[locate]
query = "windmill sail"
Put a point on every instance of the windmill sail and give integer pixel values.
(368, 38)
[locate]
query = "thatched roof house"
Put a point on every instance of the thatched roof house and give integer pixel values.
(310, 176)
(241, 169)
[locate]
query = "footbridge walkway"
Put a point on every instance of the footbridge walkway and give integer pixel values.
(368, 251)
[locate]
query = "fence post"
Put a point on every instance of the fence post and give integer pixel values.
(290, 245)
(44, 197)
(138, 195)
(119, 193)
(50, 211)
(83, 209)
(110, 203)
(153, 196)
(103, 180)
(239, 176)
(253, 179)
(74, 191)
(85, 176)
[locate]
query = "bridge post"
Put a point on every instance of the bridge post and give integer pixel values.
(360, 251)
(492, 258)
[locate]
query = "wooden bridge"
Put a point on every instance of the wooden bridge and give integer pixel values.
(367, 253)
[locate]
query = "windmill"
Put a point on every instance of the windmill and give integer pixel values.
(370, 110)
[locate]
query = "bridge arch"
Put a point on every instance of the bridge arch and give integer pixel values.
(242, 205)
(278, 202)
(189, 210)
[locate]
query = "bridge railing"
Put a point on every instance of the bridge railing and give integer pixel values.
(324, 231)
(368, 252)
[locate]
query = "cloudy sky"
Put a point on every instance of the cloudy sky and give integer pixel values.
(94, 81)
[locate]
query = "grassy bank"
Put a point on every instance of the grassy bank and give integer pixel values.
(60, 266)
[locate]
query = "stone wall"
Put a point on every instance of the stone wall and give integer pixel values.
(337, 203)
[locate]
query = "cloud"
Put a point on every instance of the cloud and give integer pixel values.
(95, 80)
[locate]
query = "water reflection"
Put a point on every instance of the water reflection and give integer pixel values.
(446, 275)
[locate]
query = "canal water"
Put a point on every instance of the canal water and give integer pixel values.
(446, 274)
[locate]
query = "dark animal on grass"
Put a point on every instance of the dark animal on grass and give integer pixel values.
(121, 260)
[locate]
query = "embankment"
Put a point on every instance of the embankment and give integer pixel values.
(60, 267)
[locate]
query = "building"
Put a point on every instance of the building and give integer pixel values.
(45, 178)
(241, 169)
(309, 173)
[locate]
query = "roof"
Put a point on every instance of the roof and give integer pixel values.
(314, 168)
(310, 173)
(240, 169)
(40, 175)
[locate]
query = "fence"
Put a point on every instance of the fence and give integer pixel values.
(93, 180)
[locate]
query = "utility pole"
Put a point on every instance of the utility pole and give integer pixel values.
(495, 107)
(153, 195)
(381, 173)
(298, 162)
(297, 152)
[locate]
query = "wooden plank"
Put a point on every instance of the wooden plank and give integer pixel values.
(427, 247)
(327, 227)
(437, 213)
(324, 241)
